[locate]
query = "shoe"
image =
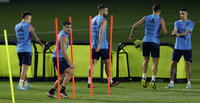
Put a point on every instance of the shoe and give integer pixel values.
(114, 84)
(153, 84)
(144, 83)
(170, 85)
(21, 88)
(51, 95)
(28, 86)
(189, 86)
(64, 95)
(92, 86)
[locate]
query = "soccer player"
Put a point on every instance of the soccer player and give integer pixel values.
(183, 47)
(151, 44)
(66, 65)
(99, 41)
(24, 32)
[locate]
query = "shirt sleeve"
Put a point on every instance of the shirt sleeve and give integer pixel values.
(63, 35)
(176, 25)
(190, 26)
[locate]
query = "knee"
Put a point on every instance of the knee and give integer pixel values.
(155, 64)
(71, 72)
(187, 64)
(146, 60)
(107, 62)
(23, 71)
(173, 65)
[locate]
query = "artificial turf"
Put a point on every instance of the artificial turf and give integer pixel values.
(127, 92)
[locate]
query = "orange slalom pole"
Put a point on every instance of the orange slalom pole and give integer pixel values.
(57, 57)
(72, 59)
(110, 54)
(91, 68)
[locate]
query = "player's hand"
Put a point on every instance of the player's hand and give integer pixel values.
(177, 34)
(173, 34)
(43, 46)
(98, 48)
(130, 36)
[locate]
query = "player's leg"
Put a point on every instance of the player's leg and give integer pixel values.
(154, 72)
(176, 56)
(94, 61)
(144, 71)
(25, 60)
(112, 83)
(24, 69)
(172, 74)
(28, 61)
(189, 73)
(63, 66)
(105, 57)
(173, 70)
(26, 83)
(95, 58)
(66, 80)
(155, 54)
(146, 54)
(51, 92)
(145, 66)
(154, 68)
(188, 59)
(21, 81)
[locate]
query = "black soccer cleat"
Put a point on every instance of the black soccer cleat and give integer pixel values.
(64, 95)
(114, 84)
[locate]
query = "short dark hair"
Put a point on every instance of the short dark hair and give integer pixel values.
(66, 23)
(25, 13)
(184, 9)
(156, 7)
(101, 6)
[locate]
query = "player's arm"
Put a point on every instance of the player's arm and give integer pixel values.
(175, 33)
(102, 28)
(32, 30)
(163, 27)
(185, 33)
(188, 30)
(135, 26)
(63, 42)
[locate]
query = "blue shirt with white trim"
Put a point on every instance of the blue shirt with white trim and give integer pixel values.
(184, 42)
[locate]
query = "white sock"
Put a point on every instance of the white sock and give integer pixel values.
(189, 82)
(171, 82)
(111, 81)
(26, 83)
(144, 75)
(88, 80)
(21, 82)
(153, 78)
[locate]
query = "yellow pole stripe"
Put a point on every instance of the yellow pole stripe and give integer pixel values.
(9, 67)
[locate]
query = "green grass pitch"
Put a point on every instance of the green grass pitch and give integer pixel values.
(127, 92)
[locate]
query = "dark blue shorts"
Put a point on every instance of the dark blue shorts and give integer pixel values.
(103, 53)
(63, 64)
(177, 54)
(151, 48)
(24, 58)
